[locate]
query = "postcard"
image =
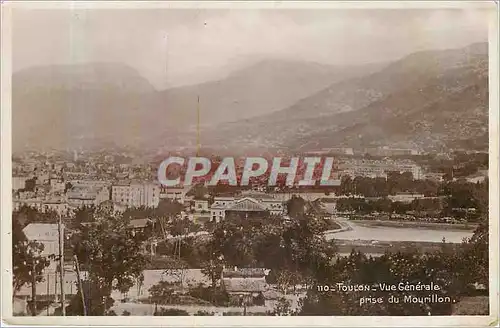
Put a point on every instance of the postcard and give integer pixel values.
(305, 163)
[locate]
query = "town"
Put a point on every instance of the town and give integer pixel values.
(228, 164)
(225, 249)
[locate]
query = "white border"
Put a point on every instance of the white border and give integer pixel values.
(6, 169)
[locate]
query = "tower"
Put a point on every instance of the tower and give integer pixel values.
(198, 127)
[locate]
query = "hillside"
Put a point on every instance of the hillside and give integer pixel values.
(106, 105)
(260, 89)
(71, 106)
(428, 99)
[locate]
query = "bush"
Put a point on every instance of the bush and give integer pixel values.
(171, 312)
(204, 313)
(215, 296)
(163, 293)
(259, 300)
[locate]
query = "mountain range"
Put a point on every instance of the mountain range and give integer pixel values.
(103, 104)
(429, 100)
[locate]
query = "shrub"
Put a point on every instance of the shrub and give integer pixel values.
(171, 312)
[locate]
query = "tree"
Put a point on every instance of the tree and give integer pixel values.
(30, 184)
(26, 256)
(26, 215)
(212, 268)
(178, 227)
(409, 268)
(204, 313)
(97, 301)
(295, 206)
(216, 296)
(168, 208)
(84, 214)
(111, 254)
(474, 256)
(67, 186)
(454, 270)
(162, 292)
(286, 279)
(283, 308)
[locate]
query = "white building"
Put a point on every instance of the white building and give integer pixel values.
(201, 205)
(87, 196)
(379, 169)
(437, 177)
(405, 197)
(54, 204)
(174, 193)
(89, 183)
(136, 194)
(19, 183)
(57, 185)
(248, 201)
(48, 235)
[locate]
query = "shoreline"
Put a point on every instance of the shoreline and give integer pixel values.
(418, 225)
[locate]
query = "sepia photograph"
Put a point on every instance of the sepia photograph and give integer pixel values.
(265, 159)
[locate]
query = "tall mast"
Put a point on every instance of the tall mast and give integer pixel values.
(61, 264)
(198, 127)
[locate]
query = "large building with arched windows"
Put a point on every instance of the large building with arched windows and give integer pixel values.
(246, 205)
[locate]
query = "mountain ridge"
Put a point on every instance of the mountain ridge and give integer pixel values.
(323, 114)
(87, 104)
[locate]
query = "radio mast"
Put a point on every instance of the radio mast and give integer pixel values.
(198, 127)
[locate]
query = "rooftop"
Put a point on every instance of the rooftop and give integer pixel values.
(42, 231)
(247, 204)
(257, 195)
(244, 273)
(245, 285)
(139, 223)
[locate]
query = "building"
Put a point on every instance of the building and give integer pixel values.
(48, 235)
(386, 151)
(19, 183)
(219, 206)
(332, 151)
(52, 204)
(136, 194)
(434, 176)
(173, 193)
(112, 207)
(88, 183)
(405, 197)
(57, 186)
(248, 204)
(87, 195)
(378, 168)
(201, 205)
(478, 177)
(245, 286)
(139, 225)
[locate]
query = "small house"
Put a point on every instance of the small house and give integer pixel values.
(245, 286)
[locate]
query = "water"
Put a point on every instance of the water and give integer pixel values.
(360, 232)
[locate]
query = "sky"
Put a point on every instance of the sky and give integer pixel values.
(172, 47)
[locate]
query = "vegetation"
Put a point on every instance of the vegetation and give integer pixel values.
(27, 259)
(459, 199)
(113, 257)
(294, 250)
(171, 312)
(455, 272)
